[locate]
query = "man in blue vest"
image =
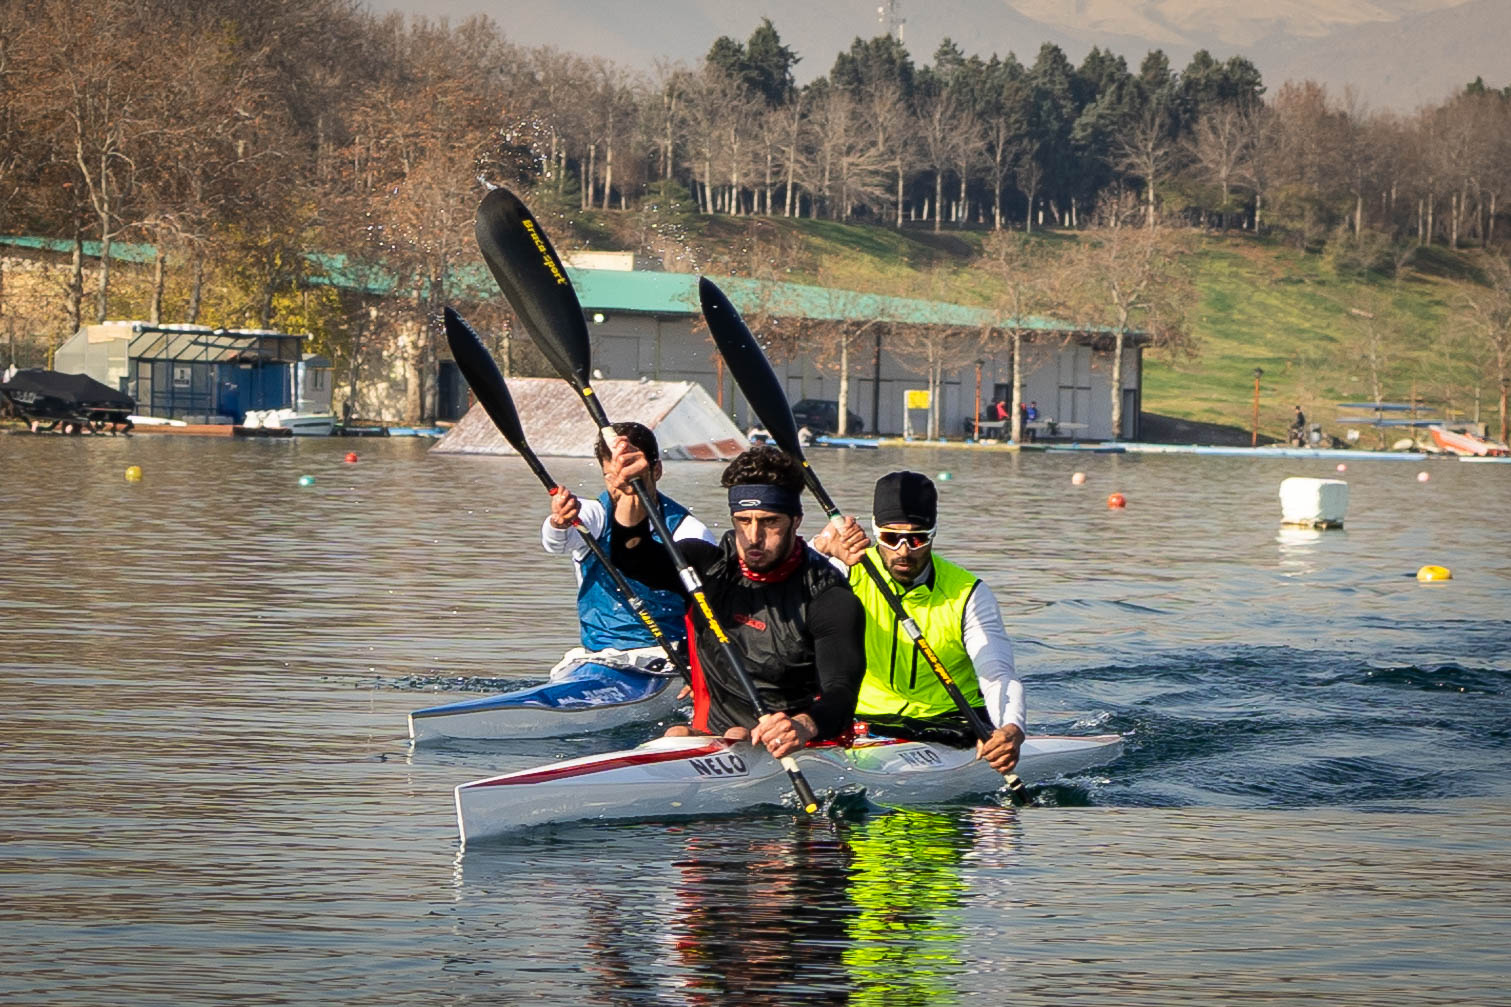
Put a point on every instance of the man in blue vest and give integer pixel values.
(900, 695)
(607, 623)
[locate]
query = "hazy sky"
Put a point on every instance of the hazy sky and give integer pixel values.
(1396, 52)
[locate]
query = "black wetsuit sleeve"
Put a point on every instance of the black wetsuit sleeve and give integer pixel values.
(838, 624)
(642, 558)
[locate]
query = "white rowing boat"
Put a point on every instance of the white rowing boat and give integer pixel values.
(587, 691)
(703, 776)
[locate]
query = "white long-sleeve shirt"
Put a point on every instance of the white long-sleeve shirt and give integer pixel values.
(991, 651)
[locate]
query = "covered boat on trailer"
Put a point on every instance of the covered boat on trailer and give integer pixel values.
(73, 402)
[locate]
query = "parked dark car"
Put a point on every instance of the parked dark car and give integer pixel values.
(822, 417)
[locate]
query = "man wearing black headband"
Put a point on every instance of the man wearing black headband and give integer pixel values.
(787, 610)
(957, 613)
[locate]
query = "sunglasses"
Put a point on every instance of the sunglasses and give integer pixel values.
(894, 540)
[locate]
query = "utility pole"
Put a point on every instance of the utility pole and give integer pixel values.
(1254, 439)
(890, 16)
(976, 434)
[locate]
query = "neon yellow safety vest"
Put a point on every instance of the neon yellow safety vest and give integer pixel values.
(898, 678)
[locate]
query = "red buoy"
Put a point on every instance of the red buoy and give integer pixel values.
(1116, 501)
(351, 456)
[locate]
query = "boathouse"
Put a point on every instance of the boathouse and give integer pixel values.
(192, 372)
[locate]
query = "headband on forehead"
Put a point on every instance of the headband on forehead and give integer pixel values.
(764, 496)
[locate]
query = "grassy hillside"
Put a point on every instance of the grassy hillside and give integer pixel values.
(1322, 331)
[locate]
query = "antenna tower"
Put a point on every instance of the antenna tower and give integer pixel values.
(890, 15)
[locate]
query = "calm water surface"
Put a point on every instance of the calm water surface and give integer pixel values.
(209, 797)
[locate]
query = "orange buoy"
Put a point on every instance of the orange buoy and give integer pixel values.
(1116, 501)
(351, 456)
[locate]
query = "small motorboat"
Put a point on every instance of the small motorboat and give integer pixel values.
(1463, 442)
(296, 423)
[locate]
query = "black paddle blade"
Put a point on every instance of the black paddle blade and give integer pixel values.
(534, 281)
(482, 374)
(748, 363)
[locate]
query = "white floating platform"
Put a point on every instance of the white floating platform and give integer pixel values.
(1313, 503)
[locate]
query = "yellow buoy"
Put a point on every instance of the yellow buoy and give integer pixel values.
(1429, 573)
(133, 473)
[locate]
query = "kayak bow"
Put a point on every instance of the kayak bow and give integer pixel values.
(593, 697)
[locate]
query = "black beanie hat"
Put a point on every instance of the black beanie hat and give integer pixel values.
(905, 498)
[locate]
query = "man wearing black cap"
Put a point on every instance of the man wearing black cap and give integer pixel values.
(957, 613)
(785, 608)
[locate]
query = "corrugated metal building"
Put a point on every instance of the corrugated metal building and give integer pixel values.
(649, 324)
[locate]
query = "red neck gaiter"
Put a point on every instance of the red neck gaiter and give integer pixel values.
(782, 570)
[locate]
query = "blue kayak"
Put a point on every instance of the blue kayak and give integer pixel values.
(588, 697)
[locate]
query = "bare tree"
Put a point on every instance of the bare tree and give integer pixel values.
(883, 106)
(1146, 150)
(1031, 282)
(107, 107)
(846, 166)
(935, 348)
(1129, 280)
(1487, 313)
(1218, 145)
(968, 154)
(663, 109)
(714, 105)
(938, 117)
(1305, 166)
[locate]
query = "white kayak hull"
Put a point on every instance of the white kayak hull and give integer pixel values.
(706, 776)
(594, 697)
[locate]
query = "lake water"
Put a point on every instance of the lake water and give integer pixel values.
(208, 795)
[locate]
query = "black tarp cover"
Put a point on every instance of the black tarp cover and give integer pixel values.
(36, 392)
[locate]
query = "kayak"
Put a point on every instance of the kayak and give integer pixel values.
(703, 776)
(586, 695)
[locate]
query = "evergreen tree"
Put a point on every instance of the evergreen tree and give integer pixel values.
(768, 64)
(873, 62)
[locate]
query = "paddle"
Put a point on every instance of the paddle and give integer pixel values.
(753, 373)
(535, 283)
(478, 367)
